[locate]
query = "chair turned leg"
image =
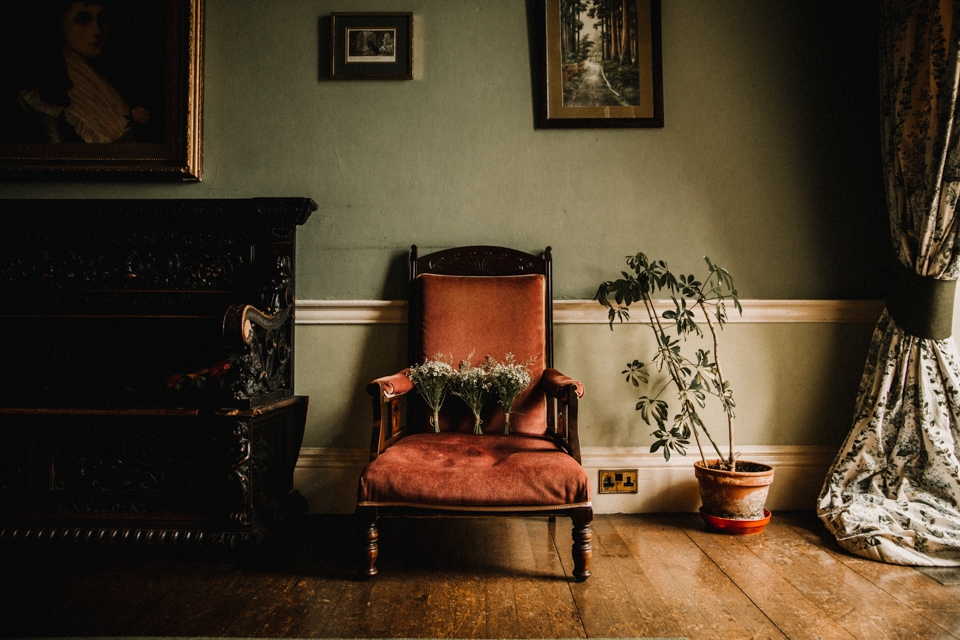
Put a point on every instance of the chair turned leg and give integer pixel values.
(370, 543)
(582, 551)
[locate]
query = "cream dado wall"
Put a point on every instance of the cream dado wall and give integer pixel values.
(767, 163)
(793, 410)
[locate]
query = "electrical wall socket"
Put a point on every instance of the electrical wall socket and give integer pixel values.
(618, 481)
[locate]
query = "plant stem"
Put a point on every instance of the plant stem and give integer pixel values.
(654, 319)
(716, 360)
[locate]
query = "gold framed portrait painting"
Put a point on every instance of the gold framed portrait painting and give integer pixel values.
(101, 89)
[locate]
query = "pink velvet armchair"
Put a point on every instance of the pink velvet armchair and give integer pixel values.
(474, 302)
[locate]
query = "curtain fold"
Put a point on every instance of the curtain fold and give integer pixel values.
(893, 492)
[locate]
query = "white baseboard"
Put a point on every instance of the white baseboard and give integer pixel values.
(328, 477)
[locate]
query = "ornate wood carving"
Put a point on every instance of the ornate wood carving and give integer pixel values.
(214, 472)
(264, 368)
(480, 260)
(91, 278)
(108, 302)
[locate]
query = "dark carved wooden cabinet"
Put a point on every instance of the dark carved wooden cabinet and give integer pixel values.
(147, 391)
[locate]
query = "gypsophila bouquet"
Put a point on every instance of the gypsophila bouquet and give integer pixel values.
(472, 384)
(508, 379)
(433, 379)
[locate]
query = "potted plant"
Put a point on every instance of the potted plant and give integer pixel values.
(733, 491)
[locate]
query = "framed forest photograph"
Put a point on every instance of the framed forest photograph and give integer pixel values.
(101, 89)
(601, 64)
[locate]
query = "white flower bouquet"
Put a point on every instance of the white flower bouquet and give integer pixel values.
(508, 379)
(471, 384)
(432, 380)
(435, 378)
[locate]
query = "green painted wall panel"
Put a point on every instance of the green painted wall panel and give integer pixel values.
(333, 366)
(795, 384)
(767, 163)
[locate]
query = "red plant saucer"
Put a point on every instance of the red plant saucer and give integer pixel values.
(735, 527)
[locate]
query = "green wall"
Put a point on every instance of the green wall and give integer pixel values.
(795, 384)
(767, 163)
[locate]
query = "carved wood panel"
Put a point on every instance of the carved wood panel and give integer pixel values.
(109, 306)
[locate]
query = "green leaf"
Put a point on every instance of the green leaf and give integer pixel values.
(636, 373)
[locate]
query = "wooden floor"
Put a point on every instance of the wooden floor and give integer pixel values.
(653, 575)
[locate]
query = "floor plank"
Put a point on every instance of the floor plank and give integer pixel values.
(82, 592)
(440, 616)
(906, 587)
(501, 588)
(197, 606)
(715, 606)
(654, 616)
(604, 600)
(787, 606)
(304, 610)
(556, 614)
(653, 575)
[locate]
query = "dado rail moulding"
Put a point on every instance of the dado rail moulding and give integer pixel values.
(590, 312)
(327, 476)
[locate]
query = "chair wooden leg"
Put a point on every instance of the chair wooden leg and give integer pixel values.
(371, 537)
(582, 551)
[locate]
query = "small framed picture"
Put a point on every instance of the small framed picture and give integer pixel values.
(371, 46)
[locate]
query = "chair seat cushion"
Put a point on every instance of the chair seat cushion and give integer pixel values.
(479, 472)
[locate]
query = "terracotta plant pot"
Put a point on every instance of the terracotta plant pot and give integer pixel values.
(734, 495)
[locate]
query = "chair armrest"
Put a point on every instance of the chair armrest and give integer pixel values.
(564, 394)
(557, 385)
(392, 386)
(386, 393)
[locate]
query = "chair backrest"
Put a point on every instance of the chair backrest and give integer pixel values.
(480, 301)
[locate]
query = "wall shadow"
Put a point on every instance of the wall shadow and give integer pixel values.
(536, 39)
(323, 49)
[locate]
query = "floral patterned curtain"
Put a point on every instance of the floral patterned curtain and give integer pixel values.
(893, 491)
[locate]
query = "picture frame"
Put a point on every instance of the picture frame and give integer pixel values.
(588, 77)
(371, 46)
(108, 90)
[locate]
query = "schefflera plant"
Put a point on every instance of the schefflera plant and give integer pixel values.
(694, 376)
